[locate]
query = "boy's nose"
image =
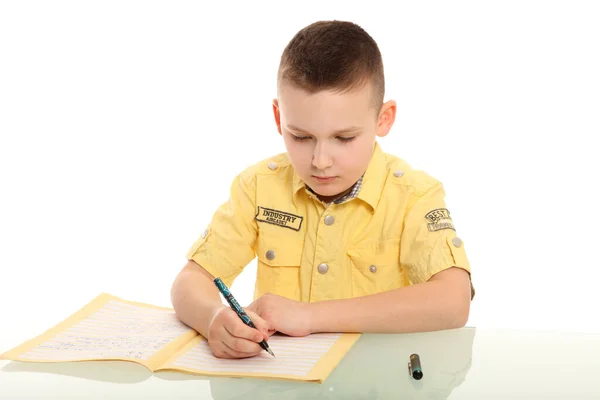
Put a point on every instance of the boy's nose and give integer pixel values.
(321, 159)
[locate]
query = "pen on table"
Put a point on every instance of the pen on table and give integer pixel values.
(414, 367)
(239, 310)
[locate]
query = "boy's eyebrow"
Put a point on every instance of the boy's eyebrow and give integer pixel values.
(345, 130)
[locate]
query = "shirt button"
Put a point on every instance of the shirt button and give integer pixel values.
(270, 254)
(323, 268)
(398, 173)
(373, 268)
(204, 234)
(456, 242)
(329, 220)
(272, 165)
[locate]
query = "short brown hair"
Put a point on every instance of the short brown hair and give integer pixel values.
(333, 55)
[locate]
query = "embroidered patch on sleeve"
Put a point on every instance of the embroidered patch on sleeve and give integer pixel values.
(439, 219)
(279, 218)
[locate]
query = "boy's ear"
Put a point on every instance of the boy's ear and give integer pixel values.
(276, 115)
(387, 115)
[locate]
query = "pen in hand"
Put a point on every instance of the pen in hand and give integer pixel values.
(235, 306)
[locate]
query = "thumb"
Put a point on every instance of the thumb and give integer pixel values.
(261, 324)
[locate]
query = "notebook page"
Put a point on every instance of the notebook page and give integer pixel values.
(296, 358)
(114, 329)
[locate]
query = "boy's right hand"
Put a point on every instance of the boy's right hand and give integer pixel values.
(229, 337)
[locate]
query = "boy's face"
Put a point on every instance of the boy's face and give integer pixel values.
(330, 137)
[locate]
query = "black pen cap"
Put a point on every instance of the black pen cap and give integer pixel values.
(415, 366)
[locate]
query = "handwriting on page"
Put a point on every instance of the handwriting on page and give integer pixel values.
(294, 356)
(117, 330)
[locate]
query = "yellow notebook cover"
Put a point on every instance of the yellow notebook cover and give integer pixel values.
(110, 328)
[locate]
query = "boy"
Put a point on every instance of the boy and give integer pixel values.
(348, 238)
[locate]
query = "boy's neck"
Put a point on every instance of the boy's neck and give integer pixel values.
(330, 199)
(327, 200)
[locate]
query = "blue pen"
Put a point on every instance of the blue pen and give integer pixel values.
(239, 310)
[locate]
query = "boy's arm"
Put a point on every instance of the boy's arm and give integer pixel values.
(195, 297)
(433, 259)
(198, 304)
(443, 302)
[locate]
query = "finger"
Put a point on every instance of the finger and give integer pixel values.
(241, 344)
(236, 327)
(241, 354)
(221, 349)
(217, 346)
(261, 324)
(247, 344)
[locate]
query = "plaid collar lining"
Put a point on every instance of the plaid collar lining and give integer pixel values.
(351, 194)
(348, 196)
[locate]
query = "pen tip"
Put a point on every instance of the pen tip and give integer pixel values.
(271, 352)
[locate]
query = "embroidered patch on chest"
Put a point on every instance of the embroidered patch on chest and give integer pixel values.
(439, 219)
(279, 218)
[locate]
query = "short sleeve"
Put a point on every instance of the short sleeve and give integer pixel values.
(226, 246)
(429, 243)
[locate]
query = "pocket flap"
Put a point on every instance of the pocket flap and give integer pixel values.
(376, 253)
(274, 252)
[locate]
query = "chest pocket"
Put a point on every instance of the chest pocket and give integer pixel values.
(279, 253)
(375, 267)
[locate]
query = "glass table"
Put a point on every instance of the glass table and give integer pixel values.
(465, 363)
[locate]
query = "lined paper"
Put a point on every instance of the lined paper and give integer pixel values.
(116, 330)
(111, 328)
(295, 356)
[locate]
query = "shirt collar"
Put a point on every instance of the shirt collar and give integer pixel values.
(298, 183)
(372, 180)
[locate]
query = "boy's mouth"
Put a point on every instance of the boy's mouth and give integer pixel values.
(323, 179)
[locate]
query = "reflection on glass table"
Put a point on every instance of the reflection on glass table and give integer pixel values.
(375, 368)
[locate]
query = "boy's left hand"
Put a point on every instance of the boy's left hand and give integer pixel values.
(289, 317)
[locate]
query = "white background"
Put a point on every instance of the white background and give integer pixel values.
(122, 125)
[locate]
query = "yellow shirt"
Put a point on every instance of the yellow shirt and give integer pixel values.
(395, 232)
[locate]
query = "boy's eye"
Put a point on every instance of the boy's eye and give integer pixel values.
(300, 138)
(340, 138)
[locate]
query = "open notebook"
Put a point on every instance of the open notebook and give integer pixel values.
(109, 328)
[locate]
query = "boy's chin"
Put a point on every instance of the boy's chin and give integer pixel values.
(328, 193)
(329, 190)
